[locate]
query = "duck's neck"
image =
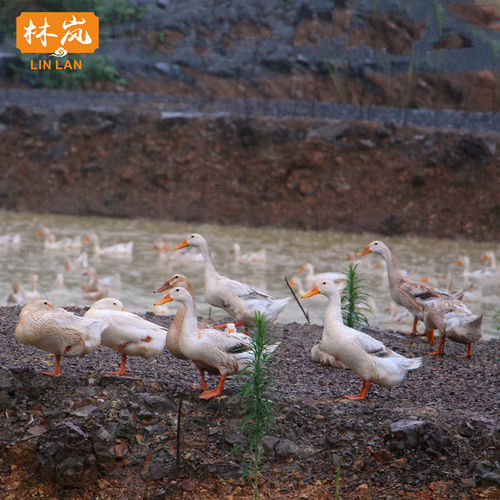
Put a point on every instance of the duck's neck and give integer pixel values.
(333, 313)
(392, 270)
(493, 262)
(210, 271)
(190, 323)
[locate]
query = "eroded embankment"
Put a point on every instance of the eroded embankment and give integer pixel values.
(284, 172)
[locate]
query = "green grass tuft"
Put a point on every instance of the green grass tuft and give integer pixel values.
(354, 299)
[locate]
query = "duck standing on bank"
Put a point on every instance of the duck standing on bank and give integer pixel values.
(58, 331)
(366, 356)
(239, 300)
(405, 292)
(221, 352)
(454, 321)
(178, 280)
(126, 332)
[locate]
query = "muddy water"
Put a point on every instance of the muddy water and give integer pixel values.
(286, 252)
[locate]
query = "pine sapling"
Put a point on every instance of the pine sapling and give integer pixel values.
(256, 399)
(354, 299)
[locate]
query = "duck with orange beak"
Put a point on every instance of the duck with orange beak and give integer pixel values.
(366, 356)
(239, 300)
(405, 292)
(221, 353)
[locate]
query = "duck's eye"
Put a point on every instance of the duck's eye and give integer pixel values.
(324, 282)
(115, 304)
(177, 289)
(45, 303)
(192, 236)
(176, 276)
(375, 243)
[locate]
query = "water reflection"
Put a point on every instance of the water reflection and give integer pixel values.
(136, 276)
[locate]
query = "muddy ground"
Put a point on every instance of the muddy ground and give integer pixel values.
(300, 173)
(87, 435)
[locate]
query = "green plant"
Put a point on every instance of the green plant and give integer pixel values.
(117, 11)
(439, 13)
(257, 399)
(354, 299)
(336, 79)
(337, 481)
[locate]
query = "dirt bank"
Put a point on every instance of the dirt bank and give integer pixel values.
(290, 172)
(85, 434)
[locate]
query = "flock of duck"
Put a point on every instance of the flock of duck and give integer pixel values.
(221, 349)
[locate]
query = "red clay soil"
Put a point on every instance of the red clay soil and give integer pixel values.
(294, 173)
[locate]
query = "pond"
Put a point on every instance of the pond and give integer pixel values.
(135, 277)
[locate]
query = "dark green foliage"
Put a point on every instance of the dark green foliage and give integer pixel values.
(354, 299)
(256, 400)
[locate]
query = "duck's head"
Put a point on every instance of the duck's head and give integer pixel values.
(108, 304)
(193, 240)
(176, 280)
(328, 288)
(374, 247)
(178, 294)
(91, 237)
(38, 305)
(306, 267)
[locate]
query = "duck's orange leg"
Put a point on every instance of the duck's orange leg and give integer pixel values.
(123, 368)
(430, 336)
(203, 384)
(214, 392)
(57, 371)
(362, 394)
(439, 351)
(469, 353)
(414, 329)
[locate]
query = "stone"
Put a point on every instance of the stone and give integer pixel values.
(160, 466)
(408, 433)
(102, 443)
(286, 448)
(335, 130)
(85, 411)
(158, 403)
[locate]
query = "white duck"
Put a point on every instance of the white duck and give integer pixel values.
(363, 354)
(32, 294)
(10, 239)
(489, 255)
(78, 264)
(454, 321)
(239, 300)
(312, 278)
(58, 331)
(256, 257)
(478, 274)
(16, 297)
(220, 352)
(60, 293)
(127, 333)
(64, 244)
(118, 250)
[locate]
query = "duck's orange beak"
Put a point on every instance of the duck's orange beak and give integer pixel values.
(424, 279)
(364, 252)
(310, 293)
(123, 309)
(291, 283)
(301, 269)
(165, 299)
(40, 233)
(377, 266)
(483, 257)
(166, 286)
(182, 245)
(86, 239)
(458, 263)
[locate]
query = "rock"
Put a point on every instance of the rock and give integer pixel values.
(268, 444)
(286, 448)
(102, 442)
(232, 434)
(7, 391)
(7, 61)
(66, 454)
(158, 403)
(468, 148)
(163, 4)
(408, 433)
(160, 466)
(85, 411)
(335, 130)
(126, 426)
(174, 71)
